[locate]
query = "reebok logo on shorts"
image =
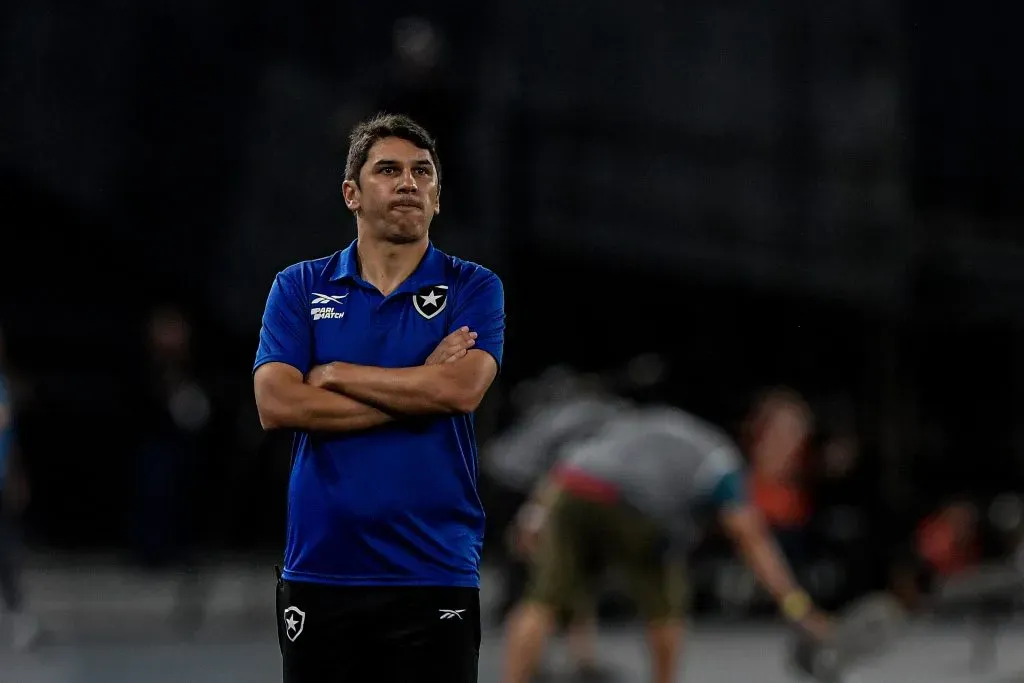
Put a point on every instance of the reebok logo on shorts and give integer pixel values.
(451, 613)
(294, 620)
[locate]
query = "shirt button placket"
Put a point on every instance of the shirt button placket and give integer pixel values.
(382, 317)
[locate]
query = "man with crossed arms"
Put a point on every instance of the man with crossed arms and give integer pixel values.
(376, 357)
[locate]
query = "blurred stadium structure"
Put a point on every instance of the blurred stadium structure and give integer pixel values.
(818, 196)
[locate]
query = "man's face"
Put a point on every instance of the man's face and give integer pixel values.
(397, 193)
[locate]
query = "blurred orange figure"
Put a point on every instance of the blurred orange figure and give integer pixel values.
(778, 435)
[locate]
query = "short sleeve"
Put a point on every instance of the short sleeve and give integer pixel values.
(722, 479)
(480, 306)
(285, 335)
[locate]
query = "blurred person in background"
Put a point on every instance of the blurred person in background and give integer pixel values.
(554, 409)
(14, 496)
(954, 542)
(944, 543)
(778, 434)
(174, 422)
(640, 495)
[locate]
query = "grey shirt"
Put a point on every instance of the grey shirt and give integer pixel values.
(526, 452)
(663, 461)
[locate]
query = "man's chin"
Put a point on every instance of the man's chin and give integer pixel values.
(403, 239)
(406, 234)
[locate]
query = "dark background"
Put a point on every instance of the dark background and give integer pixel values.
(819, 194)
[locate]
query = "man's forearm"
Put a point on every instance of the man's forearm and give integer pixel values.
(299, 406)
(770, 567)
(422, 390)
(347, 415)
(758, 548)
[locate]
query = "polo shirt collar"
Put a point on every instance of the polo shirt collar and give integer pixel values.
(430, 271)
(346, 264)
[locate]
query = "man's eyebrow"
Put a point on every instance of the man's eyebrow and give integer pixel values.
(395, 162)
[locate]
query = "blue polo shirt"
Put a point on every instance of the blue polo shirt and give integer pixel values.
(397, 505)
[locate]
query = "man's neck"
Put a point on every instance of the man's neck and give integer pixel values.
(385, 265)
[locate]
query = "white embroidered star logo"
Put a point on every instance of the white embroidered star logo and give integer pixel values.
(431, 298)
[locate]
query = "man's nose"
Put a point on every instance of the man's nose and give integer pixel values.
(407, 182)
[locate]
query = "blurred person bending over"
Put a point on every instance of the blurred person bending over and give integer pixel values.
(639, 495)
(14, 492)
(377, 356)
(520, 459)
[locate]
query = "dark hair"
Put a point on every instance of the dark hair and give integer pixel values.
(367, 133)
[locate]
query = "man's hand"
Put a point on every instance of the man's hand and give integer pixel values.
(798, 608)
(817, 625)
(453, 347)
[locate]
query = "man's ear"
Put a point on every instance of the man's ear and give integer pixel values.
(351, 194)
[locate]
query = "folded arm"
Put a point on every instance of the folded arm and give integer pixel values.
(456, 387)
(285, 401)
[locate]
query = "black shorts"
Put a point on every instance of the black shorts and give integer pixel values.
(336, 634)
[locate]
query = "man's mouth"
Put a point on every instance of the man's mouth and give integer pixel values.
(407, 205)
